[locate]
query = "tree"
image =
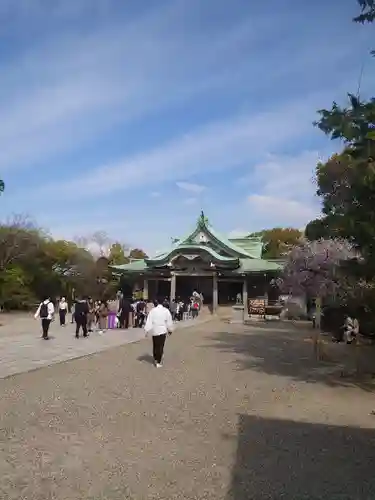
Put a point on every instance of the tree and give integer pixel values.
(117, 254)
(19, 240)
(313, 269)
(367, 11)
(33, 264)
(278, 241)
(346, 183)
(15, 289)
(318, 229)
(137, 253)
(98, 243)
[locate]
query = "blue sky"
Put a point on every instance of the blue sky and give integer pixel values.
(131, 117)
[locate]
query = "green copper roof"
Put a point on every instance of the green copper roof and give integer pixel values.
(186, 247)
(252, 245)
(245, 266)
(222, 241)
(242, 252)
(257, 265)
(135, 266)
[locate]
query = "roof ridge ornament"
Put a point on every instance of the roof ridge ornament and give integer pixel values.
(202, 218)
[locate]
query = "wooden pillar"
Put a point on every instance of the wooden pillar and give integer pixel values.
(173, 287)
(245, 299)
(215, 294)
(145, 289)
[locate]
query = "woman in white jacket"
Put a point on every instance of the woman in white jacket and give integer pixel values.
(159, 323)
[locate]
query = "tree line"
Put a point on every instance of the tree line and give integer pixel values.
(34, 264)
(337, 260)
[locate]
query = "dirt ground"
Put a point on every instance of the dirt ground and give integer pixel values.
(237, 413)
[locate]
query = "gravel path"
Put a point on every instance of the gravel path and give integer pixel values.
(236, 414)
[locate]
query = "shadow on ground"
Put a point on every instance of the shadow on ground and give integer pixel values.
(146, 358)
(302, 461)
(285, 351)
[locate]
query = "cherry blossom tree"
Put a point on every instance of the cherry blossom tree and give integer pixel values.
(315, 269)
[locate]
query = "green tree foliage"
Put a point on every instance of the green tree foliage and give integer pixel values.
(346, 184)
(318, 229)
(137, 253)
(278, 241)
(33, 264)
(117, 254)
(367, 14)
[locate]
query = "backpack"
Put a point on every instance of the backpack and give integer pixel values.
(43, 313)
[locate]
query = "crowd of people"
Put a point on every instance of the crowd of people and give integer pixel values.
(91, 315)
(156, 317)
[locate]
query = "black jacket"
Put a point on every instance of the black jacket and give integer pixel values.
(82, 308)
(125, 306)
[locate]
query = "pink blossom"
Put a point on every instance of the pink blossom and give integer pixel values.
(312, 268)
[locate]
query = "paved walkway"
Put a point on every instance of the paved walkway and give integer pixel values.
(22, 349)
(237, 413)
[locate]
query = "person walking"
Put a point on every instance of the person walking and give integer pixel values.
(173, 309)
(124, 312)
(103, 315)
(63, 309)
(72, 310)
(45, 312)
(159, 323)
(195, 309)
(81, 313)
(112, 315)
(91, 315)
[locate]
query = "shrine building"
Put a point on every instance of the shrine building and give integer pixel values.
(218, 267)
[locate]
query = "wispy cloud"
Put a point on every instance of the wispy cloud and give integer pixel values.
(117, 96)
(191, 187)
(190, 201)
(283, 189)
(281, 211)
(217, 146)
(285, 175)
(58, 95)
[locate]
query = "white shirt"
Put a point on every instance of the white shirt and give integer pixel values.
(51, 309)
(159, 321)
(63, 305)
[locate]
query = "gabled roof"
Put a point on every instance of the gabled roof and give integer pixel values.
(251, 244)
(240, 254)
(138, 265)
(257, 265)
(189, 247)
(231, 248)
(245, 266)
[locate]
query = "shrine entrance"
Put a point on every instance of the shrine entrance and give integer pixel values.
(228, 291)
(185, 285)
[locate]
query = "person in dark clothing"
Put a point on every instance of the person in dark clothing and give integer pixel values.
(124, 312)
(81, 313)
(141, 314)
(46, 313)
